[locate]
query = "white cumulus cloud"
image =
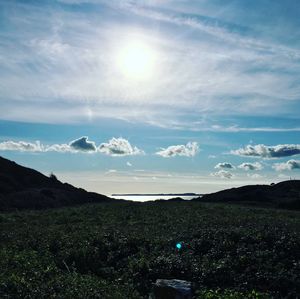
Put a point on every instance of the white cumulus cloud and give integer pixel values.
(188, 150)
(119, 147)
(82, 144)
(250, 166)
(224, 165)
(289, 165)
(21, 146)
(222, 174)
(265, 151)
(78, 145)
(60, 148)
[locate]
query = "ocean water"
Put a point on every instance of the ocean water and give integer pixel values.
(142, 197)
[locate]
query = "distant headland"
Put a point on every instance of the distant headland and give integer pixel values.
(156, 194)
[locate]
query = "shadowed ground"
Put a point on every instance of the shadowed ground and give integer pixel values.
(117, 250)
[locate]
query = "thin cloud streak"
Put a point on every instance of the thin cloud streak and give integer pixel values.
(217, 31)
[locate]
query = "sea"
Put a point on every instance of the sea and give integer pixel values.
(149, 197)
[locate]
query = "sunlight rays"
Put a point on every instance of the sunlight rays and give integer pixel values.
(136, 60)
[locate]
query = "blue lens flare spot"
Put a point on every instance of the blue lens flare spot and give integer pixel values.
(178, 245)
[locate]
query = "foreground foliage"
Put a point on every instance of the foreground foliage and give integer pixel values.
(117, 250)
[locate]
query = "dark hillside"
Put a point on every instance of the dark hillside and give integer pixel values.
(282, 195)
(25, 188)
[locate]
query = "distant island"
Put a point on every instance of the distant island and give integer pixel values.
(157, 194)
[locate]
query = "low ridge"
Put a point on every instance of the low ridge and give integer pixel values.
(26, 188)
(285, 194)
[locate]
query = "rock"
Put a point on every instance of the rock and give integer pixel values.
(172, 289)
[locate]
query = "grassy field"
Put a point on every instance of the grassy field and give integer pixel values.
(117, 250)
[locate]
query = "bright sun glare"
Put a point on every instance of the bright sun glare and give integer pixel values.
(136, 60)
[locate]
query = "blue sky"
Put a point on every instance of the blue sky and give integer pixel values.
(152, 96)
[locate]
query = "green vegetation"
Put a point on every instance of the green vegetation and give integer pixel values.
(117, 250)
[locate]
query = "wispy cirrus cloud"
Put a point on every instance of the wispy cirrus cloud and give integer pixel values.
(66, 70)
(204, 126)
(188, 150)
(265, 151)
(221, 30)
(288, 165)
(233, 129)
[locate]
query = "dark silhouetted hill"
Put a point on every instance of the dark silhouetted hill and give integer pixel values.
(25, 188)
(282, 195)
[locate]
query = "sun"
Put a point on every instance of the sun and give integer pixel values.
(136, 60)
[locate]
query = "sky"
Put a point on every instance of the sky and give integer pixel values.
(152, 96)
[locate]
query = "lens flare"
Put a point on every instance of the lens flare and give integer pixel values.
(178, 246)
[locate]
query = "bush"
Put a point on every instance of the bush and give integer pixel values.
(53, 177)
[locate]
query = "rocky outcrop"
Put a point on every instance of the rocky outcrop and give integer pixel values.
(172, 289)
